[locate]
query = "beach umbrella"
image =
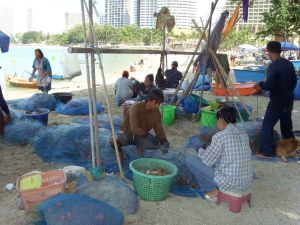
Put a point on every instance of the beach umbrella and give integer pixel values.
(248, 47)
(4, 42)
(288, 46)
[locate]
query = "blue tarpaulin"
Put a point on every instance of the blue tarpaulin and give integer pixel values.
(4, 42)
(288, 46)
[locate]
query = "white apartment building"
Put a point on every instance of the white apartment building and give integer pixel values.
(6, 19)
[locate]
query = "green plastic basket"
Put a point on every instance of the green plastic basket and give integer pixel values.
(208, 118)
(149, 187)
(168, 114)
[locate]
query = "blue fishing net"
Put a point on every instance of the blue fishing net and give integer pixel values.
(75, 209)
(112, 191)
(71, 144)
(39, 100)
(103, 121)
(76, 107)
(253, 129)
(22, 131)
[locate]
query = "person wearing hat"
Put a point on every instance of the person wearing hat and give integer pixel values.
(281, 81)
(173, 76)
(123, 88)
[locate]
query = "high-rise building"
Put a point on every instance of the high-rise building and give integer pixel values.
(29, 19)
(183, 10)
(146, 10)
(6, 19)
(141, 12)
(101, 19)
(255, 14)
(117, 12)
(73, 19)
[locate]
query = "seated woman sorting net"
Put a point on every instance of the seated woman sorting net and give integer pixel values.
(226, 163)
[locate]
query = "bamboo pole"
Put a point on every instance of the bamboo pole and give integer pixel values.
(195, 52)
(219, 66)
(129, 51)
(163, 70)
(206, 61)
(107, 102)
(89, 86)
(94, 95)
(213, 54)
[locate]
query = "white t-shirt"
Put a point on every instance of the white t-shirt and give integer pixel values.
(123, 86)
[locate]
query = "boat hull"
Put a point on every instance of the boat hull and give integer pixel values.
(244, 89)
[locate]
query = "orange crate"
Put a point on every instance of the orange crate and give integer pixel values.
(53, 182)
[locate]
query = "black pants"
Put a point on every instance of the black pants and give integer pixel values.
(286, 127)
(150, 142)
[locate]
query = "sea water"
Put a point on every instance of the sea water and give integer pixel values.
(19, 60)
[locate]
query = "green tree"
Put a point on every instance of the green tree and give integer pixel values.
(236, 38)
(283, 19)
(32, 37)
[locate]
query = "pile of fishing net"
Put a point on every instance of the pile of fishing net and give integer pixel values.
(113, 192)
(76, 209)
(22, 131)
(39, 100)
(71, 144)
(103, 121)
(253, 128)
(76, 107)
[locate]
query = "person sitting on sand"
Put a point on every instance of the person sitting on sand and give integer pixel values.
(4, 119)
(226, 163)
(123, 88)
(139, 120)
(146, 87)
(173, 76)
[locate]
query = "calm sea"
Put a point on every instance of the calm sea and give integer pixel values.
(18, 61)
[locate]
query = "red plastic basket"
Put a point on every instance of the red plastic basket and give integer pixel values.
(53, 182)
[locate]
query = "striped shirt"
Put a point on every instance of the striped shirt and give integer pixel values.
(230, 154)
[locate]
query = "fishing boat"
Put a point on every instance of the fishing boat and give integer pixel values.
(250, 74)
(244, 89)
(14, 81)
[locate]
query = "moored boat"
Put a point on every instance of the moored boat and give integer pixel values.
(244, 89)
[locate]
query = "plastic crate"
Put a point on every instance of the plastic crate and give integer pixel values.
(53, 182)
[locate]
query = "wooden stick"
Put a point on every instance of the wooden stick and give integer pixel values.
(194, 53)
(213, 54)
(224, 89)
(108, 104)
(128, 51)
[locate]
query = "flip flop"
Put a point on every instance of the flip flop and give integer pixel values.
(210, 198)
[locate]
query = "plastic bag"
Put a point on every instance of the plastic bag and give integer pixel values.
(70, 65)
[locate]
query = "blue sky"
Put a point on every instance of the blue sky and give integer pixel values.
(48, 15)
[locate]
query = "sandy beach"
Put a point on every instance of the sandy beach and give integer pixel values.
(276, 198)
(275, 193)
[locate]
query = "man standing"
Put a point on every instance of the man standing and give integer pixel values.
(3, 108)
(281, 81)
(173, 76)
(139, 120)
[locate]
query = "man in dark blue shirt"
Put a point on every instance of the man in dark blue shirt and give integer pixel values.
(281, 81)
(3, 108)
(173, 76)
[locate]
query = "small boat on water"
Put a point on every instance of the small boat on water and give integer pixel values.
(250, 74)
(244, 89)
(13, 81)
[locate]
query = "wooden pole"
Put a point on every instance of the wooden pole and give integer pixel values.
(107, 103)
(129, 51)
(213, 54)
(163, 69)
(89, 86)
(94, 97)
(206, 61)
(194, 53)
